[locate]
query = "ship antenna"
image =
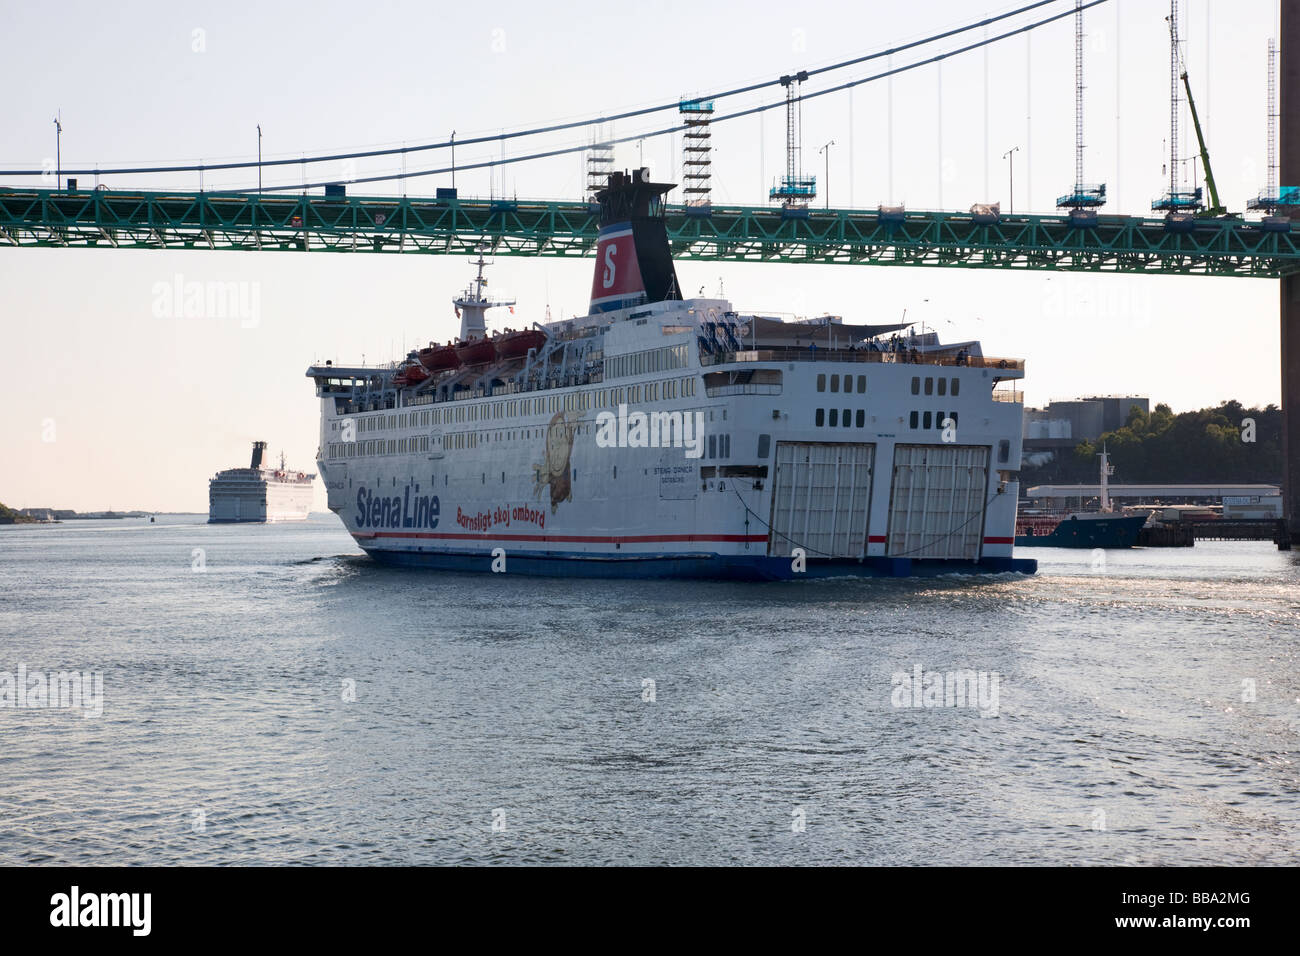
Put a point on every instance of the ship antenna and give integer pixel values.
(1107, 469)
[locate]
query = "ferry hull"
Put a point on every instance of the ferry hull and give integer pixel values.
(535, 486)
(698, 566)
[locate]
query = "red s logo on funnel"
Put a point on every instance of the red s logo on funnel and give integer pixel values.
(617, 283)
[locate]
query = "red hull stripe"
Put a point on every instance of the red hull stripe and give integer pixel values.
(571, 538)
(876, 539)
(999, 541)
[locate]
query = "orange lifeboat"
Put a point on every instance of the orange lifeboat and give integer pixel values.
(475, 351)
(411, 373)
(516, 344)
(438, 358)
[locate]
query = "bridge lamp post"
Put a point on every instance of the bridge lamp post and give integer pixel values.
(1010, 157)
(826, 151)
(58, 154)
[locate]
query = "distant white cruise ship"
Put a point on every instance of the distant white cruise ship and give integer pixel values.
(258, 493)
(667, 437)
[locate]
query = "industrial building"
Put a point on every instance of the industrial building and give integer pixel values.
(1063, 424)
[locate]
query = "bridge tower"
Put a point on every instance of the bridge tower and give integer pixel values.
(1289, 169)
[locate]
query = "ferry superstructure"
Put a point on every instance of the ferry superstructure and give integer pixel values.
(666, 437)
(258, 493)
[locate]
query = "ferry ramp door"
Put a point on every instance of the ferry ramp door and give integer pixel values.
(821, 497)
(937, 500)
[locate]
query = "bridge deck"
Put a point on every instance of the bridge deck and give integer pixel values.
(248, 221)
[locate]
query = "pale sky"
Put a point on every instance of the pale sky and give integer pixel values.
(113, 406)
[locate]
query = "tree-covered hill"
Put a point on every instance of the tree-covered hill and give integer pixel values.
(1208, 445)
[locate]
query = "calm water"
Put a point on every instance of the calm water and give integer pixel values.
(1121, 735)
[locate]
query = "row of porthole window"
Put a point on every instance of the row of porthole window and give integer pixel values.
(839, 418)
(665, 389)
(925, 420)
(847, 380)
(930, 385)
(391, 446)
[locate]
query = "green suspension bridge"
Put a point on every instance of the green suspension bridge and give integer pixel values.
(252, 222)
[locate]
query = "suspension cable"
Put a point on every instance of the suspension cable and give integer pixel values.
(562, 151)
(559, 127)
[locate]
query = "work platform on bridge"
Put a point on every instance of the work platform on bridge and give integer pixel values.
(101, 218)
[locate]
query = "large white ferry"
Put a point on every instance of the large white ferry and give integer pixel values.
(666, 437)
(259, 493)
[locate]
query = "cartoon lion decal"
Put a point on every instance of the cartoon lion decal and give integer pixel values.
(553, 471)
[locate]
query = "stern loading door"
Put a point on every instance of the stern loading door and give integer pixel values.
(821, 497)
(937, 501)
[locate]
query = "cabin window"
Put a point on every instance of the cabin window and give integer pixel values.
(835, 417)
(956, 387)
(912, 423)
(862, 385)
(764, 445)
(862, 417)
(848, 383)
(835, 383)
(848, 417)
(929, 386)
(926, 420)
(1004, 451)
(916, 385)
(821, 417)
(943, 386)
(821, 383)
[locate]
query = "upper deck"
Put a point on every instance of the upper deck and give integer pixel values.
(657, 338)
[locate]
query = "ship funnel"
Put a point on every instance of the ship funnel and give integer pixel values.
(633, 261)
(258, 448)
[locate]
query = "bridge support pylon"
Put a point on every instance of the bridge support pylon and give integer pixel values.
(1289, 163)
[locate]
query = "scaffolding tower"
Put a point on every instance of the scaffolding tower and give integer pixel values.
(795, 189)
(1176, 200)
(1273, 197)
(1084, 196)
(600, 160)
(697, 146)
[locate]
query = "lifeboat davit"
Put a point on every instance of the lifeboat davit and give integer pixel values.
(437, 358)
(476, 351)
(516, 344)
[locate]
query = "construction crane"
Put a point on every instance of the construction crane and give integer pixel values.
(1182, 201)
(1216, 208)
